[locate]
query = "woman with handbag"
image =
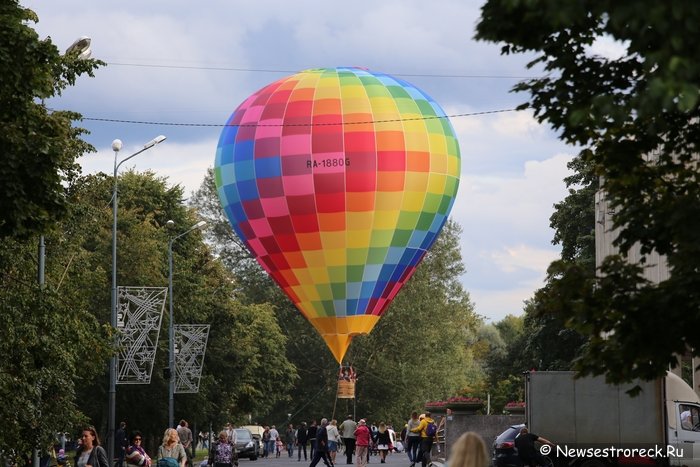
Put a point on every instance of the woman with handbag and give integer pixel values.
(90, 453)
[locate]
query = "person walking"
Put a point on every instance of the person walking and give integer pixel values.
(274, 437)
(333, 438)
(186, 439)
(289, 436)
(222, 453)
(347, 433)
(321, 451)
(171, 448)
(412, 440)
(362, 440)
(302, 437)
(383, 442)
(121, 442)
(427, 430)
(266, 441)
(231, 436)
(392, 437)
(90, 453)
(313, 428)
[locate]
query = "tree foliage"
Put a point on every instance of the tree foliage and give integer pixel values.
(243, 339)
(636, 118)
(39, 146)
(57, 340)
(51, 343)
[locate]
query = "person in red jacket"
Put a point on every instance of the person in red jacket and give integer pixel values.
(362, 437)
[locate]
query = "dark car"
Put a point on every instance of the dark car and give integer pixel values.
(246, 446)
(504, 452)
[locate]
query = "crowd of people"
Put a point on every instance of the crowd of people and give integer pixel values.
(329, 442)
(175, 450)
(316, 442)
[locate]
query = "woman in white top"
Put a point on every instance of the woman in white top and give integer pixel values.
(333, 438)
(90, 453)
(412, 441)
(171, 448)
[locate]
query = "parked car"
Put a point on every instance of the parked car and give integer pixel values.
(246, 444)
(504, 452)
(257, 432)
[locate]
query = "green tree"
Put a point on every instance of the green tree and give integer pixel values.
(636, 117)
(51, 341)
(39, 146)
(245, 369)
(57, 341)
(503, 361)
(574, 217)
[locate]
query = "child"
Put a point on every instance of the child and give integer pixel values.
(279, 445)
(61, 459)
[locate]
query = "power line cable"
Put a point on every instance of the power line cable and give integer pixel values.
(273, 70)
(364, 122)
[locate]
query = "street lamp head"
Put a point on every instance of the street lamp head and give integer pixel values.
(154, 141)
(200, 224)
(117, 145)
(81, 48)
(170, 224)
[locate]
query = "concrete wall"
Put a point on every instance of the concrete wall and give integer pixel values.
(488, 426)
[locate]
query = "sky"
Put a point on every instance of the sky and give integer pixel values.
(181, 68)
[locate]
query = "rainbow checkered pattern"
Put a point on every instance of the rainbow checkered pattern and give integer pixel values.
(338, 180)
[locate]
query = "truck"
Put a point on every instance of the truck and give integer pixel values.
(596, 424)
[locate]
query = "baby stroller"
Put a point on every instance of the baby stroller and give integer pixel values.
(61, 458)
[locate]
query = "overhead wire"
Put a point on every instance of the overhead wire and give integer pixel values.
(363, 122)
(274, 70)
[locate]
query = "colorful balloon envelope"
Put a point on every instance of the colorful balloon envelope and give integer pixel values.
(338, 180)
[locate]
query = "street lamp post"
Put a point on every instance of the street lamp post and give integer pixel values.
(81, 49)
(111, 416)
(171, 325)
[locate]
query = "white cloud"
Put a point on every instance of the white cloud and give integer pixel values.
(609, 48)
(504, 205)
(513, 258)
(507, 301)
(183, 164)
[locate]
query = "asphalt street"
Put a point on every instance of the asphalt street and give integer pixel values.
(394, 459)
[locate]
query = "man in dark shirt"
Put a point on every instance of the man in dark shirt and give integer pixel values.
(302, 438)
(311, 436)
(321, 451)
(525, 444)
(121, 443)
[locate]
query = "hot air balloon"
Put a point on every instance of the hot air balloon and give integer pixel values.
(338, 181)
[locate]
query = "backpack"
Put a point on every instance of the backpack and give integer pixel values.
(168, 462)
(431, 429)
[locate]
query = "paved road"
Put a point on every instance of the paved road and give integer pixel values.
(395, 459)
